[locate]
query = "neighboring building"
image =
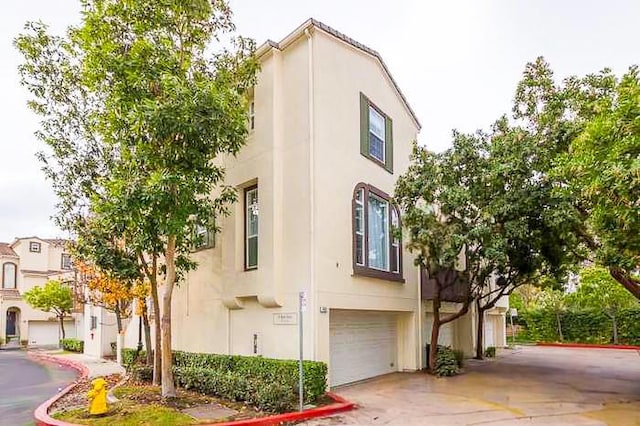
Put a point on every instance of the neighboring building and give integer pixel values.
(25, 263)
(330, 132)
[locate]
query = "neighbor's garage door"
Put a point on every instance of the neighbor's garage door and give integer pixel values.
(363, 344)
(45, 333)
(489, 331)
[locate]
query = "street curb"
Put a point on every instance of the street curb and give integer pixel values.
(589, 346)
(41, 413)
(338, 406)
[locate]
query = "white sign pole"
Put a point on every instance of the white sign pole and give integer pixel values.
(302, 305)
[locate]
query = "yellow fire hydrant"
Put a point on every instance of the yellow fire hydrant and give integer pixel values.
(98, 396)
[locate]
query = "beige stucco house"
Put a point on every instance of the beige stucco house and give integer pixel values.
(25, 263)
(330, 132)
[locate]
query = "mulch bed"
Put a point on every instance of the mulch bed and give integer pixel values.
(77, 398)
(146, 394)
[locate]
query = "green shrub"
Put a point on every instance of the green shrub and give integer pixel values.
(582, 326)
(269, 384)
(274, 397)
(142, 373)
(267, 370)
(490, 352)
(129, 356)
(459, 354)
(446, 363)
(73, 345)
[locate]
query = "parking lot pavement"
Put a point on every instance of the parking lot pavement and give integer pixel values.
(526, 385)
(25, 384)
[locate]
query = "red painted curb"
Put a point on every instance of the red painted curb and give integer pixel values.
(340, 405)
(41, 413)
(589, 346)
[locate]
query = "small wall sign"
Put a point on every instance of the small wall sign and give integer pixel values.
(285, 318)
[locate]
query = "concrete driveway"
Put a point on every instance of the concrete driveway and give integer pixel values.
(528, 385)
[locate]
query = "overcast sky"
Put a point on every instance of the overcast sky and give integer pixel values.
(456, 61)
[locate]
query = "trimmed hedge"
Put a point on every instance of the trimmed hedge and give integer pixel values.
(269, 384)
(73, 345)
(269, 396)
(582, 326)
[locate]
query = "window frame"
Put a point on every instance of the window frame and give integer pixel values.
(35, 244)
(247, 190)
(377, 111)
(15, 275)
(62, 257)
(394, 243)
(252, 115)
(366, 106)
(208, 240)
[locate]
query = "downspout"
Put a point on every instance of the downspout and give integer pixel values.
(419, 312)
(312, 194)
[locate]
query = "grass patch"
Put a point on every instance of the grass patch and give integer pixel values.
(129, 414)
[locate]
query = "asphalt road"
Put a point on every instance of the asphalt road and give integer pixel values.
(25, 384)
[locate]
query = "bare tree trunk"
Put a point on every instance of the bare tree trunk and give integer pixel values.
(615, 329)
(118, 318)
(168, 385)
(157, 359)
(435, 333)
(559, 323)
(147, 336)
(61, 318)
(480, 331)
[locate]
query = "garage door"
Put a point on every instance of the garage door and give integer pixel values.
(489, 331)
(363, 344)
(45, 333)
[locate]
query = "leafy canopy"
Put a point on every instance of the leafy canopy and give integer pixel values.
(55, 297)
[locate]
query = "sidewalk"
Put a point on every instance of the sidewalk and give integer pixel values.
(95, 367)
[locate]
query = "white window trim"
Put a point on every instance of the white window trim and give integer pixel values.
(382, 137)
(362, 232)
(252, 115)
(248, 234)
(386, 234)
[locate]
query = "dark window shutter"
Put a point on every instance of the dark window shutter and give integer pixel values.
(388, 154)
(364, 125)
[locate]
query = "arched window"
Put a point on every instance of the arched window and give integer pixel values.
(9, 274)
(376, 251)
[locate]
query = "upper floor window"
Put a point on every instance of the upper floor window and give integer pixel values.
(65, 261)
(376, 134)
(35, 247)
(251, 212)
(376, 251)
(252, 115)
(204, 237)
(9, 275)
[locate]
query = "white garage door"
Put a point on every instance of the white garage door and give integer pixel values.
(45, 333)
(363, 344)
(489, 331)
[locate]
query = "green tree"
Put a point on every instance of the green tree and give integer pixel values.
(554, 301)
(55, 297)
(146, 98)
(593, 123)
(478, 208)
(598, 291)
